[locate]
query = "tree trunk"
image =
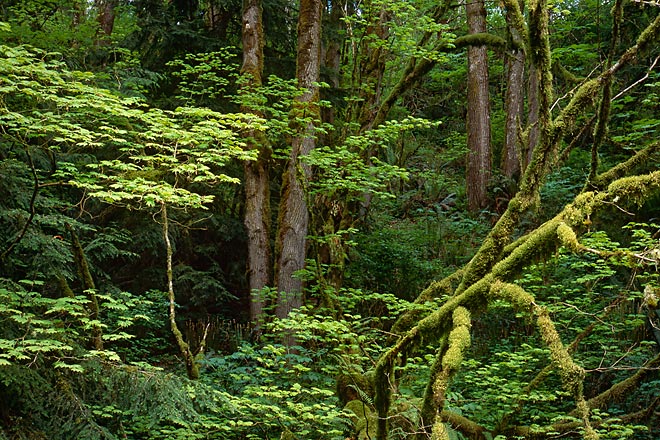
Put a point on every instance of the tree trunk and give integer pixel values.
(293, 214)
(192, 367)
(533, 114)
(478, 115)
(257, 191)
(106, 17)
(89, 287)
(514, 103)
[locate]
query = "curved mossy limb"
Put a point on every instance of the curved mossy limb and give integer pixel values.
(447, 363)
(537, 244)
(480, 39)
(435, 290)
(620, 170)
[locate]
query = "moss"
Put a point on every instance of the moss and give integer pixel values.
(439, 432)
(364, 419)
(572, 375)
(623, 168)
(459, 340)
(480, 39)
(635, 189)
(649, 36)
(353, 386)
(513, 294)
(435, 290)
(584, 96)
(561, 72)
(568, 238)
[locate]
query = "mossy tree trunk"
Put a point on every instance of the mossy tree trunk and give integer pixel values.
(293, 218)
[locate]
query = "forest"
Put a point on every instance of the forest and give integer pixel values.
(350, 220)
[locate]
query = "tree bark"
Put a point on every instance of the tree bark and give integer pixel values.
(478, 114)
(293, 214)
(106, 17)
(533, 115)
(257, 190)
(514, 103)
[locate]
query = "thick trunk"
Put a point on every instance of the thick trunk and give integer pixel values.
(257, 194)
(293, 216)
(106, 17)
(478, 115)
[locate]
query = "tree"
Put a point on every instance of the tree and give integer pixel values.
(486, 278)
(478, 112)
(256, 177)
(514, 103)
(293, 220)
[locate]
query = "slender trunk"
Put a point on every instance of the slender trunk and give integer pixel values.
(293, 216)
(257, 194)
(478, 115)
(85, 275)
(514, 103)
(192, 368)
(533, 114)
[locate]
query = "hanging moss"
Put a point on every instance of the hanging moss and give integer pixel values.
(568, 238)
(480, 39)
(439, 432)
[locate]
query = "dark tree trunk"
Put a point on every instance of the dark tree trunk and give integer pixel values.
(106, 17)
(293, 214)
(478, 115)
(257, 194)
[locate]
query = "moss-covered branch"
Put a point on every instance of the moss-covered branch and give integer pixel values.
(621, 390)
(620, 170)
(192, 368)
(89, 288)
(464, 425)
(435, 290)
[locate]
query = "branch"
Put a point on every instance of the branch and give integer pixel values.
(33, 211)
